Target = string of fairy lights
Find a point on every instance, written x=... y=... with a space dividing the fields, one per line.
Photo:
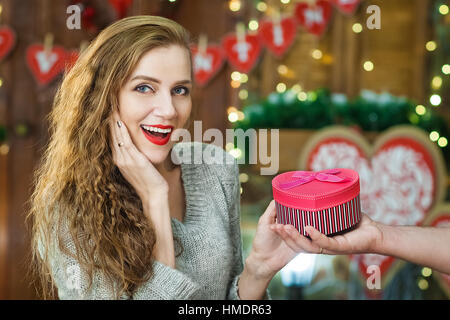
x=441 y=67
x=238 y=79
x=435 y=46
x=440 y=74
x=438 y=80
x=442 y=70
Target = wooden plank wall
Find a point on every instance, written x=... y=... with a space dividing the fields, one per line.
x=397 y=51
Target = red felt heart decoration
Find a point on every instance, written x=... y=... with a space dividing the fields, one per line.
x=7 y=41
x=314 y=17
x=401 y=177
x=242 y=56
x=207 y=65
x=45 y=67
x=278 y=37
x=121 y=7
x=346 y=6
x=71 y=59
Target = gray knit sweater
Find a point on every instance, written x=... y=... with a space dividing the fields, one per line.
x=211 y=260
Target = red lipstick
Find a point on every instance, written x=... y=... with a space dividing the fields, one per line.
x=157 y=138
x=159 y=126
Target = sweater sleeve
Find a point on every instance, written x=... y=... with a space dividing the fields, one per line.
x=235 y=235
x=167 y=284
x=72 y=281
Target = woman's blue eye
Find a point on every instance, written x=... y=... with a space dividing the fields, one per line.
x=142 y=88
x=185 y=93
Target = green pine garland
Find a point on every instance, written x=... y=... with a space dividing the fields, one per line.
x=369 y=112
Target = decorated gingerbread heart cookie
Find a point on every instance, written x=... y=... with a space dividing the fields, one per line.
x=402 y=177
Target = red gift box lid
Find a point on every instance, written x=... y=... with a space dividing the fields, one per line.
x=315 y=190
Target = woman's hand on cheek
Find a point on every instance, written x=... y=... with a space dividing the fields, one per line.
x=134 y=166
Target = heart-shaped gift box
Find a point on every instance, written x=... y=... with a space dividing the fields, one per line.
x=328 y=200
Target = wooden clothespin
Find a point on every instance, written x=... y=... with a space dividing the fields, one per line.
x=276 y=16
x=83 y=45
x=202 y=44
x=48 y=43
x=312 y=3
x=240 y=32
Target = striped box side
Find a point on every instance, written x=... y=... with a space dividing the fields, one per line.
x=327 y=221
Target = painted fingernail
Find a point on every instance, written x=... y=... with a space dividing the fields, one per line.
x=119 y=123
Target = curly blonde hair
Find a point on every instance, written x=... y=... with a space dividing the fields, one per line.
x=77 y=182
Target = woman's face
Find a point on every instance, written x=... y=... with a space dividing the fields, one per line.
x=157 y=97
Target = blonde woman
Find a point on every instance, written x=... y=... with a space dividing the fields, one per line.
x=113 y=215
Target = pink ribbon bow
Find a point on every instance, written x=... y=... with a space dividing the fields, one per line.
x=307 y=176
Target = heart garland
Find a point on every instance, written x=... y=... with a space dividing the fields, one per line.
x=278 y=37
x=45 y=66
x=7 y=41
x=242 y=55
x=402 y=178
x=314 y=17
x=346 y=6
x=208 y=64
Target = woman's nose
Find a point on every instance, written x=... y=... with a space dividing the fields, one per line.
x=165 y=107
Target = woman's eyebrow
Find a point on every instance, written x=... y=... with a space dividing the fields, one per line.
x=143 y=77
